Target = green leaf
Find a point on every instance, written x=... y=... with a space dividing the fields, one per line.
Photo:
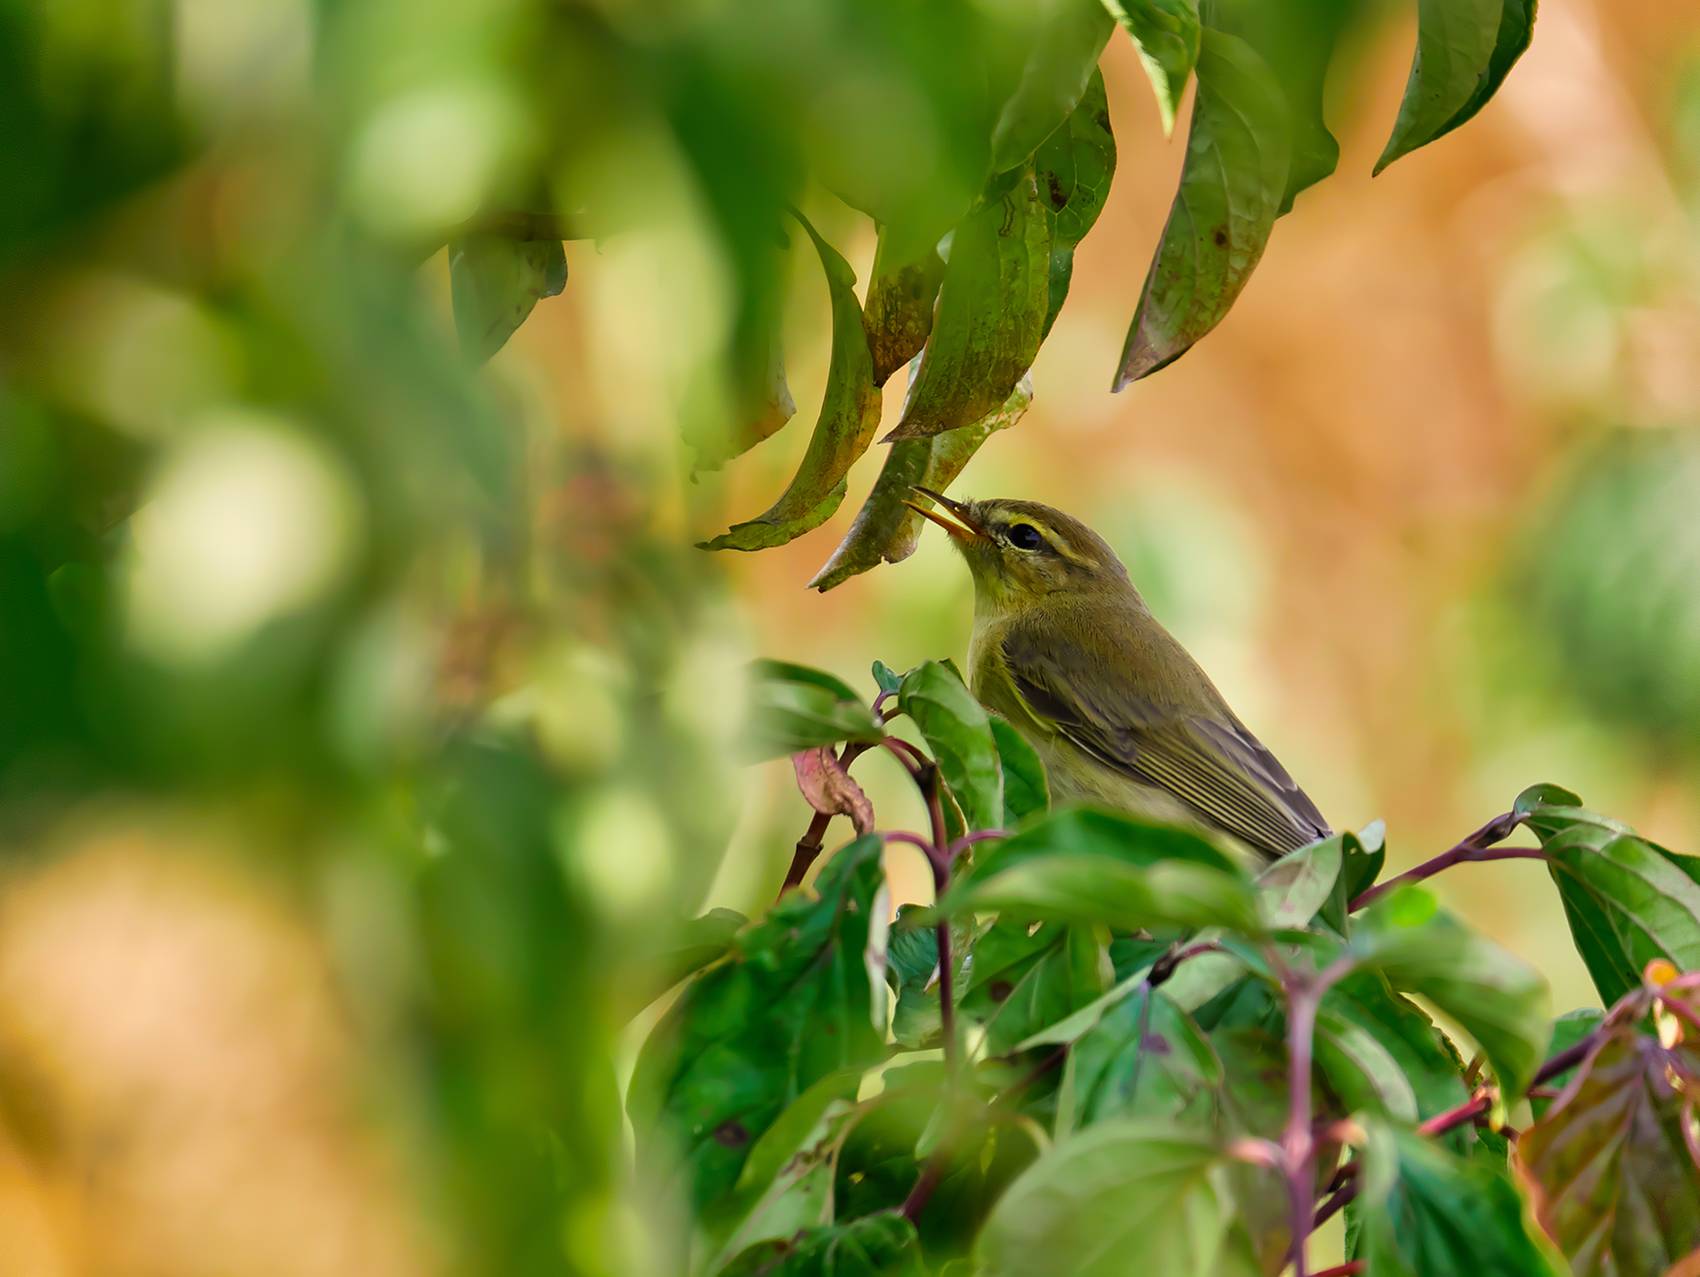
x=849 y=415
x=1361 y=1071
x=1535 y=797
x=959 y=736
x=1628 y=901
x=1362 y=858
x=991 y=311
x=1456 y=41
x=1025 y=789
x=1498 y=998
x=1295 y=887
x=1088 y=831
x=1026 y=976
x=747 y=1037
x=912 y=956
x=798 y=708
x=699 y=942
x=1516 y=32
x=718 y=438
x=1425 y=1212
x=883 y=1245
x=1053 y=81
x=1607 y=1169
x=1423 y=1054
x=1097 y=889
x=1129 y=1196
x=1167 y=34
x=887 y=529
x=1567 y=1030
x=1232 y=186
x=1144 y=1058
x=494 y=281
x=899 y=313
x=1074 y=168
x=887 y=679
x=1296 y=38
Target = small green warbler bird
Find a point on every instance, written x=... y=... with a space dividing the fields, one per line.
x=1065 y=649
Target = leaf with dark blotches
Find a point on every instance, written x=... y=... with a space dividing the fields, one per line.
x=899 y=311
x=495 y=281
x=1074 y=168
x=886 y=530
x=745 y=1037
x=829 y=788
x=991 y=311
x=1232 y=185
x=1607 y=1169
x=1062 y=60
x=849 y=415
x=1456 y=42
x=1168 y=36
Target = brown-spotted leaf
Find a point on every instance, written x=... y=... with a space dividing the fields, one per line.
x=899 y=313
x=1074 y=168
x=1607 y=1170
x=886 y=530
x=830 y=789
x=849 y=415
x=1232 y=186
x=1456 y=43
x=991 y=311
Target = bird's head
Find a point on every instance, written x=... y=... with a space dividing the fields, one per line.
x=1021 y=551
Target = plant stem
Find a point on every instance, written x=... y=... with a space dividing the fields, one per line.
x=939 y=857
x=808 y=847
x=1343 y=1270
x=925 y=1183
x=1468 y=1111
x=1298 y=1146
x=1472 y=849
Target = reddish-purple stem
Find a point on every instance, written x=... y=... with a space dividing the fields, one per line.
x=1298 y=1147
x=1474 y=848
x=963 y=843
x=1351 y=1269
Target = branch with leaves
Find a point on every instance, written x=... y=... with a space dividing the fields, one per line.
x=1107 y=1036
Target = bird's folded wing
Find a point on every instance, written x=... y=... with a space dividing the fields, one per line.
x=1217 y=768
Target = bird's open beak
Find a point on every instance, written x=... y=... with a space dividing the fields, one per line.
x=963 y=529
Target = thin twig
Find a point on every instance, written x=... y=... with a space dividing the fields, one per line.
x=1015 y=1088
x=968 y=840
x=1472 y=849
x=1351 y=1269
x=808 y=847
x=1468 y=1111
x=1304 y=999
x=925 y=1183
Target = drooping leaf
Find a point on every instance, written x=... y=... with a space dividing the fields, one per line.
x=1167 y=34
x=1425 y=1212
x=798 y=708
x=495 y=281
x=830 y=789
x=1099 y=890
x=899 y=312
x=883 y=1245
x=760 y=416
x=1498 y=998
x=1053 y=81
x=850 y=413
x=991 y=311
x=1296 y=38
x=1025 y=789
x=1456 y=40
x=1089 y=831
x=1232 y=187
x=1074 y=167
x=1607 y=1169
x=1628 y=901
x=1516 y=32
x=1026 y=976
x=959 y=736
x=1128 y=1196
x=1295 y=887
x=887 y=530
x=749 y=1036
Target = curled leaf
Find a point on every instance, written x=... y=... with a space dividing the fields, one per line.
x=1232 y=186
x=886 y=530
x=899 y=313
x=1073 y=169
x=830 y=789
x=495 y=281
x=1052 y=81
x=849 y=415
x=1168 y=36
x=762 y=417
x=991 y=311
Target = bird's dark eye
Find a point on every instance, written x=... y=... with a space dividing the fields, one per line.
x=1024 y=536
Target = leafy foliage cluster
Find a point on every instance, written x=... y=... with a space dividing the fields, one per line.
x=976 y=249
x=1110 y=1048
